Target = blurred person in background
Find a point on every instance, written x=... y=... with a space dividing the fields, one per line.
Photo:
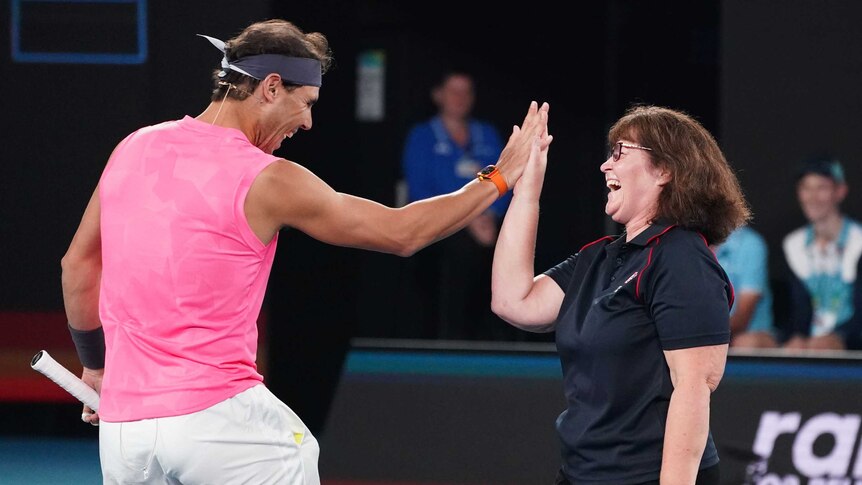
x=744 y=256
x=823 y=262
x=439 y=155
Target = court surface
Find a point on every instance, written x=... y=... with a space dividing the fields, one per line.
x=49 y=461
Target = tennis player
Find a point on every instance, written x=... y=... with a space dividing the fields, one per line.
x=164 y=279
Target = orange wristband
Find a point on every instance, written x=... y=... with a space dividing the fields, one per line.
x=492 y=173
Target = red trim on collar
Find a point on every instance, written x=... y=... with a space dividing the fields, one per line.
x=595 y=242
x=732 y=291
x=668 y=228
x=649 y=259
x=641 y=273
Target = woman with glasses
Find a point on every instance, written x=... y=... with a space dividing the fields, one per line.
x=641 y=318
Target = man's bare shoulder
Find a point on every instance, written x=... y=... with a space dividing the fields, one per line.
x=284 y=173
x=285 y=187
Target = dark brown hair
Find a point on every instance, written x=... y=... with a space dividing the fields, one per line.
x=274 y=36
x=703 y=194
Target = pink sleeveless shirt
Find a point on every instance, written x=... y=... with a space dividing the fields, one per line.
x=183 y=275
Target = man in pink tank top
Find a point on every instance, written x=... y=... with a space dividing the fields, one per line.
x=164 y=279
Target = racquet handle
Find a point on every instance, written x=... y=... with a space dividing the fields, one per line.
x=44 y=363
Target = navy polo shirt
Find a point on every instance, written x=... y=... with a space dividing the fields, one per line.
x=625 y=303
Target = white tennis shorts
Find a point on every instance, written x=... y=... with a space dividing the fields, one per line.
x=251 y=438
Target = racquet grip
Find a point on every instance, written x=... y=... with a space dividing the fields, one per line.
x=44 y=363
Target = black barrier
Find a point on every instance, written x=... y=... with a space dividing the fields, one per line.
x=790 y=420
x=413 y=412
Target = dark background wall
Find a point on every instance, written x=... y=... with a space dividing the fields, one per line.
x=772 y=80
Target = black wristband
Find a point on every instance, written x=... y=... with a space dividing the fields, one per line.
x=90 y=345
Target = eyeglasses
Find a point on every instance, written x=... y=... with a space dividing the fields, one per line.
x=617 y=149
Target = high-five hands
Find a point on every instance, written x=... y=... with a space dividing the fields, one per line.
x=516 y=153
x=531 y=181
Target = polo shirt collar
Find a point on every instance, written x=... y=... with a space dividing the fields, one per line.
x=650 y=232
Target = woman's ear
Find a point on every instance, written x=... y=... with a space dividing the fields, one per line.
x=664 y=177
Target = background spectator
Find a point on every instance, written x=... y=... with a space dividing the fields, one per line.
x=744 y=256
x=822 y=260
x=440 y=155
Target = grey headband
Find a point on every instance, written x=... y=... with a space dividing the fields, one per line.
x=294 y=70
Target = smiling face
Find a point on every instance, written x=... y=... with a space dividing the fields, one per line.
x=287 y=112
x=634 y=185
x=820 y=197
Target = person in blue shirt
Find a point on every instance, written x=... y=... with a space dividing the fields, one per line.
x=440 y=155
x=744 y=256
